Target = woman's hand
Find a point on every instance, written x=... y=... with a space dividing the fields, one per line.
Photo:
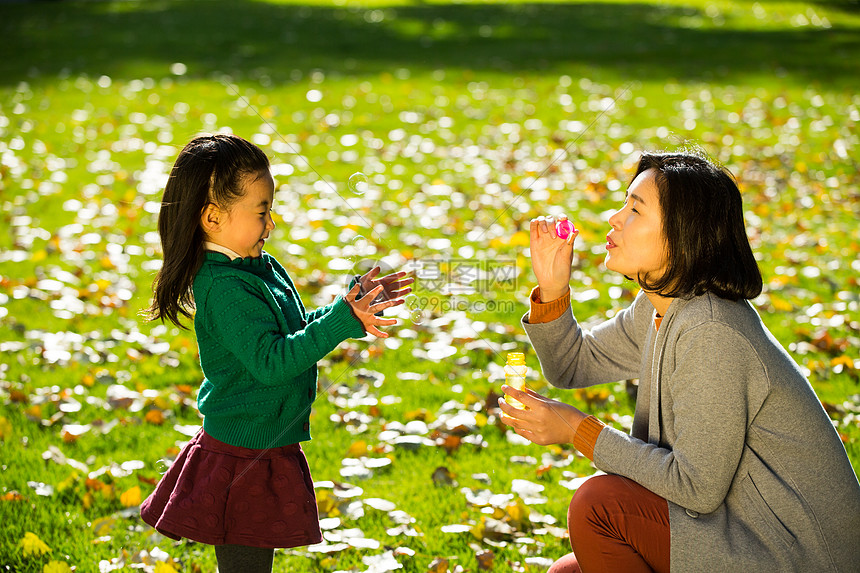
x=365 y=310
x=551 y=257
x=393 y=285
x=545 y=421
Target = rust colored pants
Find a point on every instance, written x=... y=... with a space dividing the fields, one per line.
x=616 y=525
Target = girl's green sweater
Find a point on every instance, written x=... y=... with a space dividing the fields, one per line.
x=259 y=350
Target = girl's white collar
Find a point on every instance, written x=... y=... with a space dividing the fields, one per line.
x=210 y=246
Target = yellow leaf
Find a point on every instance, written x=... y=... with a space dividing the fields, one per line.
x=518 y=513
x=5 y=428
x=103 y=525
x=327 y=504
x=780 y=304
x=131 y=497
x=31 y=545
x=155 y=417
x=419 y=414
x=846 y=361
x=162 y=567
x=357 y=449
x=56 y=567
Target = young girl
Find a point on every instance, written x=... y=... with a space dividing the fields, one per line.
x=242 y=483
x=732 y=463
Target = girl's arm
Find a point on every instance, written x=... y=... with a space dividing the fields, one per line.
x=244 y=323
x=320 y=311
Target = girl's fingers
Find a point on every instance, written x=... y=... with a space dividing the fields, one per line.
x=353 y=292
x=376 y=332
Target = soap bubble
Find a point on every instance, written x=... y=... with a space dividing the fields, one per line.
x=411 y=301
x=360 y=246
x=161 y=466
x=358 y=183
x=413 y=304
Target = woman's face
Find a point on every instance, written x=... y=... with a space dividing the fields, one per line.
x=636 y=244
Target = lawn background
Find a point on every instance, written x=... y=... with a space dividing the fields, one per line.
x=469 y=119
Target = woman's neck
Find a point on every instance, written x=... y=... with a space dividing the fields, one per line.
x=660 y=303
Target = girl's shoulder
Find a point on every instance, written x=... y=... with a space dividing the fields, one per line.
x=219 y=273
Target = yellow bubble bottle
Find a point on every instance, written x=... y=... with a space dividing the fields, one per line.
x=515 y=376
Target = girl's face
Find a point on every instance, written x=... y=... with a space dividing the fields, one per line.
x=246 y=225
x=636 y=244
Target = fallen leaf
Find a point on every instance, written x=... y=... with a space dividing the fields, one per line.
x=155 y=417
x=438 y=565
x=5 y=428
x=32 y=546
x=131 y=497
x=485 y=559
x=56 y=567
x=358 y=448
x=442 y=476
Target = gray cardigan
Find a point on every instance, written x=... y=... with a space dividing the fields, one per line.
x=726 y=428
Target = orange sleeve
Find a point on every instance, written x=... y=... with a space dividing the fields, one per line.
x=540 y=311
x=586 y=436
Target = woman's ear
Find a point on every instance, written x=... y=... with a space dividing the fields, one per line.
x=210 y=218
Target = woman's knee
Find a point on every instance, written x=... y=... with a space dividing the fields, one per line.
x=589 y=503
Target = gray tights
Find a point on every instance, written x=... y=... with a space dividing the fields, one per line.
x=244 y=559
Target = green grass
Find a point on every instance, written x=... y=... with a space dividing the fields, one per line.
x=451 y=110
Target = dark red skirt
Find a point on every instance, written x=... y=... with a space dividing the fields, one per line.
x=220 y=494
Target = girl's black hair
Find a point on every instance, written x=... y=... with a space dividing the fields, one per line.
x=706 y=242
x=210 y=169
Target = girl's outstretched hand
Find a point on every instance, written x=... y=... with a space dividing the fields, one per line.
x=545 y=421
x=551 y=257
x=393 y=285
x=365 y=310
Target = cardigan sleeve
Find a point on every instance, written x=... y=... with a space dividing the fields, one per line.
x=245 y=324
x=540 y=312
x=320 y=311
x=715 y=369
x=572 y=357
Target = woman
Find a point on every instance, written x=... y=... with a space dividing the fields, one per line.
x=732 y=463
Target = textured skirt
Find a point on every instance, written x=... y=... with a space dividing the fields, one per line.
x=218 y=494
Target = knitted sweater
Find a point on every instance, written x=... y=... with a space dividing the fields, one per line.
x=258 y=350
x=726 y=429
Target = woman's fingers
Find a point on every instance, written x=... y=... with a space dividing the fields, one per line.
x=529 y=398
x=373 y=293
x=379 y=307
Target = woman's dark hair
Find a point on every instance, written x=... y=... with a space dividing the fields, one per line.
x=707 y=248
x=210 y=169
